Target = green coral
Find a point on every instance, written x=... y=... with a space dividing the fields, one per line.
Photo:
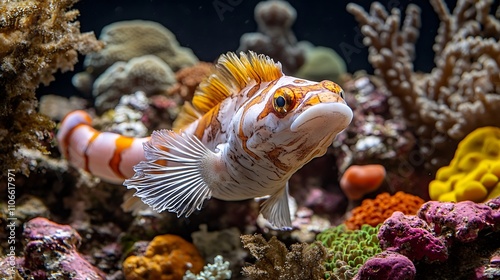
x=37 y=38
x=348 y=249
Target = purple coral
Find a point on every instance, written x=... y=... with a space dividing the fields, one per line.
x=438 y=229
x=462 y=220
x=52 y=249
x=387 y=265
x=411 y=237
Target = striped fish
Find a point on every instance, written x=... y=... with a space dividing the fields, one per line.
x=248 y=130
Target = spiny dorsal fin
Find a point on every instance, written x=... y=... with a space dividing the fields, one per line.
x=230 y=75
x=187 y=115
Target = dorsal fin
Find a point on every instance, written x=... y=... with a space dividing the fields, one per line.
x=187 y=115
x=230 y=75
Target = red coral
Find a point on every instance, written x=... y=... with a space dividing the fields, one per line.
x=359 y=180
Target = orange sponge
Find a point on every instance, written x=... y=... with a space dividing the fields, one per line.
x=375 y=211
x=167 y=258
x=359 y=180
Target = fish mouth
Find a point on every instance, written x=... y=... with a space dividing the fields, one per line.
x=330 y=116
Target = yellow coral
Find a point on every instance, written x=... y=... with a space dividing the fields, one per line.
x=167 y=258
x=474 y=172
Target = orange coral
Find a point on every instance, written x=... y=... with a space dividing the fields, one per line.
x=167 y=258
x=375 y=211
x=359 y=180
x=189 y=78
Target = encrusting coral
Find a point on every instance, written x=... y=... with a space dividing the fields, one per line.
x=51 y=253
x=167 y=257
x=375 y=211
x=275 y=261
x=275 y=37
x=359 y=180
x=445 y=240
x=461 y=93
x=348 y=249
x=147 y=73
x=128 y=39
x=37 y=38
x=474 y=172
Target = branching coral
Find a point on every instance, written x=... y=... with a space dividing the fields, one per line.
x=348 y=249
x=274 y=261
x=375 y=211
x=37 y=38
x=461 y=93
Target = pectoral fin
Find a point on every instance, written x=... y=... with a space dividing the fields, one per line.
x=171 y=177
x=277 y=211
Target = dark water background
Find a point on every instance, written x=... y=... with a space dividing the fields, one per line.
x=210 y=32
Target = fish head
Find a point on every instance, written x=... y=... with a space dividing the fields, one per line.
x=293 y=120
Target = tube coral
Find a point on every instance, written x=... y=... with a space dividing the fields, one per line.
x=37 y=38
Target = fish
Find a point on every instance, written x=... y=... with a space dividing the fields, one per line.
x=107 y=155
x=248 y=129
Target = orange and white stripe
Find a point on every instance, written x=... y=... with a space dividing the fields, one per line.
x=107 y=155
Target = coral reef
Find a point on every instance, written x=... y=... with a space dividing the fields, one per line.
x=445 y=240
x=225 y=243
x=348 y=249
x=57 y=107
x=126 y=40
x=37 y=38
x=51 y=253
x=460 y=94
x=474 y=171
x=359 y=180
x=387 y=265
x=377 y=136
x=322 y=63
x=167 y=257
x=375 y=211
x=147 y=73
x=188 y=79
x=219 y=270
x=275 y=261
x=275 y=37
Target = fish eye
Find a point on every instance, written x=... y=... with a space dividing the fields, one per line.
x=280 y=101
x=283 y=100
x=342 y=94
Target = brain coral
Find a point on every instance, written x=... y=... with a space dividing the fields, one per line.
x=375 y=211
x=349 y=249
x=167 y=257
x=474 y=171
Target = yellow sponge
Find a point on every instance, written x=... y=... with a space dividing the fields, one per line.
x=474 y=172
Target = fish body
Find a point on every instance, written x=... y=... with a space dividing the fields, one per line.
x=248 y=130
x=253 y=129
